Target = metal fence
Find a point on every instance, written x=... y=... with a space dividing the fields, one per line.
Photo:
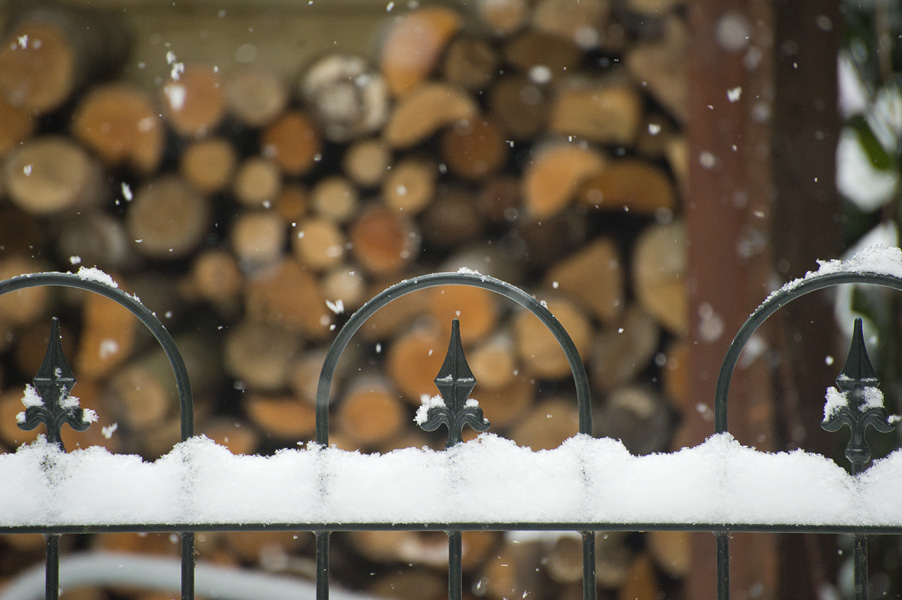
x=455 y=381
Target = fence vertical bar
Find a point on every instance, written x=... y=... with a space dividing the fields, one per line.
x=723 y=565
x=52 y=567
x=322 y=564
x=590 y=588
x=455 y=565
x=188 y=562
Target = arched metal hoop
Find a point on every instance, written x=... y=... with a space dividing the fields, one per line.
x=507 y=290
x=186 y=405
x=774 y=303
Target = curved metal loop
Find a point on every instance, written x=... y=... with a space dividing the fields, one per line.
x=773 y=303
x=134 y=306
x=530 y=303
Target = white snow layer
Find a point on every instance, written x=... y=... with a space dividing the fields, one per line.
x=488 y=479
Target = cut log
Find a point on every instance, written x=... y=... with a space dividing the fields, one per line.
x=476 y=309
x=367 y=162
x=505 y=405
x=318 y=243
x=168 y=218
x=637 y=416
x=655 y=135
x=425 y=110
x=474 y=148
x=659 y=276
x=347 y=284
x=395 y=315
x=671 y=551
x=348 y=97
x=542 y=56
x=216 y=276
x=282 y=418
x=259 y=354
x=494 y=361
x=661 y=66
x=258 y=238
x=16 y=126
x=120 y=123
x=576 y=20
x=335 y=198
x=451 y=219
x=107 y=337
x=675 y=375
x=384 y=242
x=414 y=359
x=519 y=105
x=292 y=203
x=554 y=176
x=293 y=142
x=51 y=174
x=194 y=101
x=594 y=276
x=470 y=63
x=499 y=199
x=630 y=185
x=549 y=241
x=412 y=44
x=10 y=406
x=641 y=582
x=409 y=584
x=624 y=349
x=565 y=558
x=287 y=294
x=511 y=571
x=538 y=349
x=140 y=395
x=208 y=164
x=410 y=185
x=370 y=411
x=503 y=17
x=548 y=424
x=606 y=112
x=612 y=559
x=97 y=239
x=49 y=52
x=254 y=546
x=254 y=95
x=257 y=182
x=24 y=306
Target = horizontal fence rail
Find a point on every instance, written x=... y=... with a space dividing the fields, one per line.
x=854 y=394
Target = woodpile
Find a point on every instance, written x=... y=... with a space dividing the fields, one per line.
x=538 y=141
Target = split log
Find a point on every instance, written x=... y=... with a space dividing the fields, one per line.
x=564 y=561
x=425 y=110
x=671 y=551
x=624 y=349
x=370 y=411
x=630 y=185
x=499 y=199
x=505 y=405
x=661 y=66
x=107 y=338
x=367 y=162
x=395 y=315
x=254 y=95
x=348 y=97
x=475 y=307
x=612 y=558
x=413 y=360
x=503 y=17
x=168 y=218
x=25 y=306
x=494 y=361
x=283 y=418
x=258 y=354
x=470 y=63
x=536 y=346
x=97 y=239
x=293 y=142
x=253 y=546
x=542 y=56
x=638 y=417
x=554 y=176
x=512 y=572
x=140 y=394
x=257 y=182
x=451 y=219
x=641 y=582
x=335 y=198
x=410 y=185
x=412 y=45
x=474 y=148
x=194 y=101
x=410 y=585
x=120 y=123
x=576 y=20
x=10 y=406
x=287 y=294
x=215 y=276
x=675 y=375
x=594 y=276
x=346 y=284
x=258 y=238
x=292 y=203
x=318 y=243
x=519 y=105
x=16 y=126
x=659 y=275
x=551 y=240
x=548 y=424
x=51 y=174
x=384 y=242
x=49 y=52
x=208 y=164
x=606 y=112
x=655 y=135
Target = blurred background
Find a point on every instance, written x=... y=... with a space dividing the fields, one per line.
x=255 y=171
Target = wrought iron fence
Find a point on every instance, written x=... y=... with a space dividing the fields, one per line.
x=454 y=382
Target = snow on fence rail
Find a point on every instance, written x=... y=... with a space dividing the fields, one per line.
x=586 y=485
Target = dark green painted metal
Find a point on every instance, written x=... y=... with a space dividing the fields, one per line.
x=52 y=570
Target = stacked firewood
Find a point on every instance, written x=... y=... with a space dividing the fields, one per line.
x=535 y=141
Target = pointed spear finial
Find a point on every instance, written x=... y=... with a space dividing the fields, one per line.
x=52 y=383
x=454 y=381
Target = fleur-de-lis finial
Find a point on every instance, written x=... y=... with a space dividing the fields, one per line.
x=859 y=402
x=455 y=381
x=53 y=382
